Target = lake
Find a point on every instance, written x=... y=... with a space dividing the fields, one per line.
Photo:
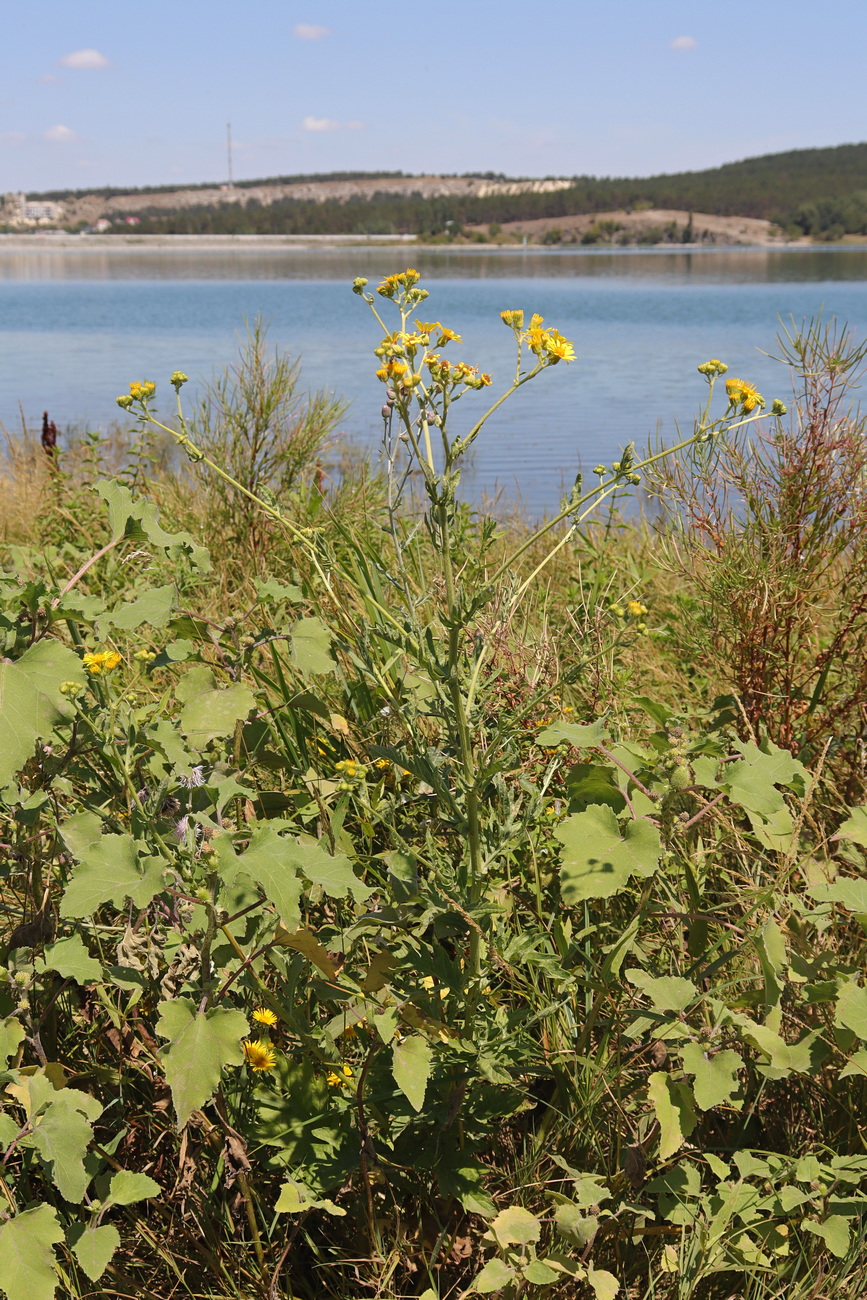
x=78 y=325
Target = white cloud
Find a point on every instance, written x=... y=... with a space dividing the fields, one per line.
x=60 y=134
x=84 y=59
x=310 y=32
x=683 y=43
x=328 y=124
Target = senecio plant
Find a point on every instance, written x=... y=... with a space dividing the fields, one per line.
x=323 y=925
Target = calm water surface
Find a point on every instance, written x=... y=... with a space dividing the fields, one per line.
x=77 y=326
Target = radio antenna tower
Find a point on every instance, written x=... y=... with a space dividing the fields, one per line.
x=229 y=152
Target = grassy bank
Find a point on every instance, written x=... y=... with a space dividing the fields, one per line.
x=403 y=902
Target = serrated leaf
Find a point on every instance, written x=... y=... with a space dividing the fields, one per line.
x=605 y=1285
x=11 y=1035
x=94 y=1247
x=538 y=1272
x=26 y=1254
x=494 y=1276
x=128 y=1187
x=411 y=1063
x=311 y=646
x=109 y=869
x=598 y=860
x=200 y=1047
x=30 y=701
x=851 y=1009
x=856 y=1065
x=834 y=1232
x=854 y=827
x=673 y=1105
x=788 y=1058
x=849 y=893
x=269 y=863
x=153 y=608
x=716 y=1076
x=71 y=960
x=305 y=942
x=210 y=712
x=331 y=872
x=62 y=1135
x=138 y=519
x=752 y=782
x=516 y=1226
x=668 y=993
x=573 y=733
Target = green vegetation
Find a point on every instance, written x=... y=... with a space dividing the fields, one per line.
x=812 y=191
x=400 y=904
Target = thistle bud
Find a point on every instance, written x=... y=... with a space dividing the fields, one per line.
x=386 y=411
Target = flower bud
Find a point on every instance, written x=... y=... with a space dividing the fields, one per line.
x=386 y=411
x=124 y=401
x=358 y=284
x=600 y=470
x=177 y=379
x=778 y=407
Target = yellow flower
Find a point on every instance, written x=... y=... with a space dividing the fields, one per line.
x=744 y=395
x=514 y=319
x=391 y=371
x=258 y=1054
x=265 y=1016
x=100 y=662
x=536 y=321
x=558 y=348
x=636 y=608
x=428 y=327
x=141 y=391
x=447 y=336
x=712 y=367
x=335 y=1080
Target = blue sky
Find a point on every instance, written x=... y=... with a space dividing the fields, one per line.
x=96 y=92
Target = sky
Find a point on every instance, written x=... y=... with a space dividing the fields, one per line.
x=105 y=92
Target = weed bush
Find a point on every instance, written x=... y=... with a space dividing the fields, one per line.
x=359 y=940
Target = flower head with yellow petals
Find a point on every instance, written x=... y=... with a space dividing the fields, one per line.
x=259 y=1055
x=265 y=1016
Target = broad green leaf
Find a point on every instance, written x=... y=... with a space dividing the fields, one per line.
x=834 y=1232
x=854 y=827
x=674 y=1108
x=311 y=646
x=538 y=1272
x=752 y=782
x=411 y=1063
x=128 y=1187
x=516 y=1226
x=210 y=711
x=62 y=1135
x=11 y=1035
x=788 y=1058
x=668 y=993
x=305 y=942
x=70 y=958
x=270 y=863
x=850 y=893
x=138 y=519
x=94 y=1247
x=857 y=1065
x=272 y=591
x=589 y=783
x=153 y=608
x=573 y=733
x=597 y=860
x=575 y=1226
x=494 y=1276
x=333 y=873
x=605 y=1285
x=30 y=701
x=200 y=1047
x=109 y=869
x=295 y=1199
x=716 y=1076
x=26 y=1255
x=851 y=1011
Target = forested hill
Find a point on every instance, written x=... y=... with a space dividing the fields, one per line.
x=822 y=192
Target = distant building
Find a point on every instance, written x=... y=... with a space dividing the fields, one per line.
x=21 y=211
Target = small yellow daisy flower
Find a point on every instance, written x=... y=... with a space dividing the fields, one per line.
x=636 y=608
x=100 y=662
x=744 y=395
x=265 y=1016
x=259 y=1055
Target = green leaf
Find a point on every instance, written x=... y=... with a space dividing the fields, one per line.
x=516 y=1226
x=210 y=712
x=834 y=1232
x=200 y=1047
x=109 y=871
x=333 y=873
x=573 y=733
x=605 y=1285
x=673 y=1104
x=575 y=1226
x=854 y=827
x=851 y=1010
x=30 y=701
x=70 y=958
x=589 y=783
x=850 y=893
x=856 y=1065
x=273 y=592
x=94 y=1247
x=411 y=1063
x=494 y=1276
x=139 y=521
x=752 y=782
x=538 y=1272
x=295 y=1199
x=128 y=1187
x=598 y=860
x=62 y=1135
x=311 y=646
x=716 y=1076
x=787 y=1058
x=269 y=863
x=669 y=993
x=11 y=1035
x=154 y=608
x=26 y=1255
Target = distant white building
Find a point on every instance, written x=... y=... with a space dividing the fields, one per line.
x=21 y=211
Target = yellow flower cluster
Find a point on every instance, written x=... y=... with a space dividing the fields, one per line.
x=350 y=770
x=744 y=395
x=70 y=688
x=265 y=1016
x=394 y=372
x=393 y=285
x=636 y=608
x=258 y=1054
x=549 y=345
x=140 y=392
x=446 y=373
x=103 y=662
x=514 y=319
x=712 y=367
x=341 y=1080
